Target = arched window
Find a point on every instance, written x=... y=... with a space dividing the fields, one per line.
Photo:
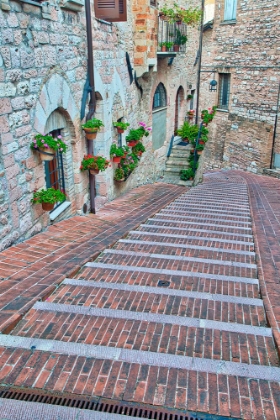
x=159 y=97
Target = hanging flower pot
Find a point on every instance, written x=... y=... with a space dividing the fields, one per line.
x=91 y=133
x=117 y=159
x=201 y=142
x=120 y=130
x=47 y=206
x=46 y=154
x=94 y=171
x=132 y=143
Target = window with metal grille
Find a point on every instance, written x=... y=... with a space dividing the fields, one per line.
x=230 y=9
x=54 y=172
x=224 y=90
x=159 y=97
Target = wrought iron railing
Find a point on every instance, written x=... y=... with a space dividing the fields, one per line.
x=173 y=34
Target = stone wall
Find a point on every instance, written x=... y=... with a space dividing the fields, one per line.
x=248 y=49
x=43 y=70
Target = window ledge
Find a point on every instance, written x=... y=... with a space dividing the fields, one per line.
x=34 y=3
x=55 y=213
x=228 y=22
x=159 y=109
x=222 y=110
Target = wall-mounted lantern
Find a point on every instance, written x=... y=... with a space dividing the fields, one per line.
x=213 y=86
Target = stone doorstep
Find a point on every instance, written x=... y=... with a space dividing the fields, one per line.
x=217 y=232
x=165 y=291
x=173 y=272
x=153 y=317
x=200 y=223
x=198 y=247
x=268 y=373
x=178 y=258
x=197 y=238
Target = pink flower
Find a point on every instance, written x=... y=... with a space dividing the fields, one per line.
x=59 y=137
x=35 y=145
x=142 y=124
x=61 y=150
x=46 y=145
x=149 y=128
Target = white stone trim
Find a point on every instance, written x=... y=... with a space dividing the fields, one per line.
x=63 y=206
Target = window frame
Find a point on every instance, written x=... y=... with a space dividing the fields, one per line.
x=228 y=5
x=161 y=92
x=224 y=91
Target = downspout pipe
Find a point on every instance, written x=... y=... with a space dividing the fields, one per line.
x=275 y=128
x=199 y=61
x=92 y=99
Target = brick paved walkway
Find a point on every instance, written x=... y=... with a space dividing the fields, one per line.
x=172 y=315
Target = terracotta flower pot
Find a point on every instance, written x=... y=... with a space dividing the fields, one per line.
x=132 y=143
x=94 y=171
x=120 y=130
x=190 y=116
x=176 y=48
x=47 y=206
x=91 y=133
x=201 y=142
x=199 y=152
x=46 y=153
x=139 y=153
x=117 y=159
x=163 y=48
x=119 y=180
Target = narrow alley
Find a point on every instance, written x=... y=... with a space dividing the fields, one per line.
x=175 y=318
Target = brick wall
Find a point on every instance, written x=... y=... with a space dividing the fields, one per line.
x=248 y=49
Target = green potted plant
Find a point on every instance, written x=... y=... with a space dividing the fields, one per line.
x=186 y=174
x=138 y=149
x=48 y=198
x=178 y=14
x=116 y=153
x=179 y=40
x=144 y=129
x=189 y=97
x=199 y=149
x=121 y=126
x=94 y=164
x=165 y=46
x=91 y=127
x=133 y=137
x=187 y=131
x=119 y=175
x=47 y=146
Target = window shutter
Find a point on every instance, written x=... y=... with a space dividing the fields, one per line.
x=110 y=10
x=230 y=9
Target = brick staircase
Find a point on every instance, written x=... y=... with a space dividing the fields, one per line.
x=171 y=316
x=177 y=161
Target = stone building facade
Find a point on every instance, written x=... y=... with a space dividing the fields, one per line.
x=241 y=51
x=43 y=70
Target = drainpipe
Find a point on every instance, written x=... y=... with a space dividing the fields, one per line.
x=275 y=128
x=92 y=100
x=199 y=61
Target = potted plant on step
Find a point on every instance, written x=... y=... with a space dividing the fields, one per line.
x=121 y=126
x=48 y=198
x=191 y=113
x=199 y=149
x=91 y=127
x=116 y=153
x=94 y=164
x=47 y=146
x=186 y=174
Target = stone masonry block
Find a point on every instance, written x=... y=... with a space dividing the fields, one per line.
x=7 y=89
x=4 y=124
x=5 y=106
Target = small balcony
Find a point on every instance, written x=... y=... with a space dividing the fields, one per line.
x=172 y=38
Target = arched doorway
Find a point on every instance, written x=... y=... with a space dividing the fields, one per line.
x=178 y=109
x=159 y=116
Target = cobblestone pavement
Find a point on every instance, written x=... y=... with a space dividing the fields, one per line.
x=179 y=313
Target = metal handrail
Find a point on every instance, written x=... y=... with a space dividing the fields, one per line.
x=196 y=144
x=170 y=146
